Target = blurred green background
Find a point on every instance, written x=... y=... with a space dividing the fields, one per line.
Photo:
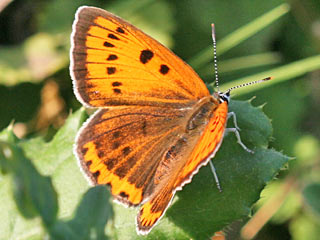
x=36 y=89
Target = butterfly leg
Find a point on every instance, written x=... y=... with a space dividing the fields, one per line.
x=232 y=114
x=213 y=170
x=236 y=130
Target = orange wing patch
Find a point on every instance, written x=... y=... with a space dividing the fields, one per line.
x=113 y=63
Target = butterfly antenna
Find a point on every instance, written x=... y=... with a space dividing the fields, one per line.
x=250 y=83
x=215 y=56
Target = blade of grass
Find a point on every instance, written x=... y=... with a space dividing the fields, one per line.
x=239 y=35
x=246 y=62
x=279 y=74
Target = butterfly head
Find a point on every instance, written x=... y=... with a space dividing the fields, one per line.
x=224 y=96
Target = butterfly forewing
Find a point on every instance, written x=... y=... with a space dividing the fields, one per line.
x=113 y=63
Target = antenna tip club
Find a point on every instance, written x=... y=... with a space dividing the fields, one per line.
x=213 y=32
x=212 y=27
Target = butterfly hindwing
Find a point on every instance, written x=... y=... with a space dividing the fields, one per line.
x=123 y=147
x=113 y=64
x=206 y=147
x=152 y=211
x=201 y=151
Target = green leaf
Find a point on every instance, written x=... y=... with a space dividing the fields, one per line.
x=255 y=127
x=33 y=193
x=38 y=195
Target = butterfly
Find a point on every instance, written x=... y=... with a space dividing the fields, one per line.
x=156 y=122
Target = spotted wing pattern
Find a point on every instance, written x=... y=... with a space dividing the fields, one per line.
x=114 y=64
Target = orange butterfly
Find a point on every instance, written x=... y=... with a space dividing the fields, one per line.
x=157 y=123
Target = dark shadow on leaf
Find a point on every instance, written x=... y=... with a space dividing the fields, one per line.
x=90 y=218
x=33 y=193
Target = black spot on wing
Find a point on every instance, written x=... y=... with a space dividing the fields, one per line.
x=122 y=171
x=107 y=44
x=112 y=57
x=111 y=70
x=110 y=163
x=126 y=151
x=116 y=84
x=123 y=195
x=116 y=90
x=146 y=56
x=120 y=30
x=116 y=134
x=84 y=150
x=96 y=174
x=101 y=153
x=112 y=36
x=164 y=69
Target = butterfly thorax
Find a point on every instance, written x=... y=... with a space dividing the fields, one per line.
x=202 y=112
